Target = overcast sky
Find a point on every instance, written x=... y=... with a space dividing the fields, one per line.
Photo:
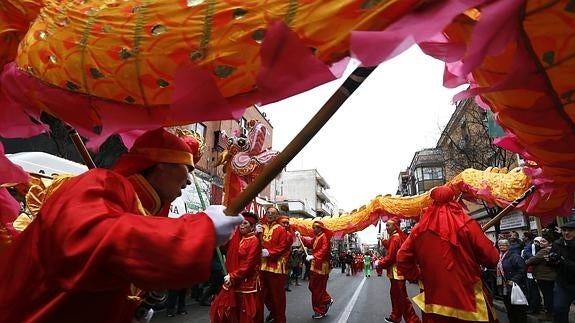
x=400 y=109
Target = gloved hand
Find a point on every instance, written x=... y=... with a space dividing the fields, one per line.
x=265 y=252
x=259 y=228
x=297 y=234
x=309 y=257
x=223 y=225
x=227 y=279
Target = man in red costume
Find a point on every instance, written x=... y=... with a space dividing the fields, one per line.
x=243 y=261
x=95 y=241
x=401 y=306
x=320 y=268
x=445 y=251
x=277 y=243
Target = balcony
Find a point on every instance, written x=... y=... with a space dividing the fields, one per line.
x=321 y=194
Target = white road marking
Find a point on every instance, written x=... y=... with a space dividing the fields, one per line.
x=347 y=312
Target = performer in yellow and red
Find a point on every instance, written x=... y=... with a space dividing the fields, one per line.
x=94 y=240
x=445 y=251
x=243 y=261
x=401 y=306
x=320 y=268
x=277 y=243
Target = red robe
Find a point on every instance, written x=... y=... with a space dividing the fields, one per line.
x=445 y=251
x=245 y=280
x=277 y=240
x=401 y=306
x=319 y=272
x=78 y=260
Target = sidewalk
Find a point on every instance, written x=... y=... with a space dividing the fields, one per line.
x=532 y=318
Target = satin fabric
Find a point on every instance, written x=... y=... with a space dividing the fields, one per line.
x=277 y=240
x=448 y=265
x=90 y=243
x=401 y=306
x=319 y=272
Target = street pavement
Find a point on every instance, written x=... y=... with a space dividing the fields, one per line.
x=357 y=299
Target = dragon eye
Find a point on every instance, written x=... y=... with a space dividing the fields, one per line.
x=241 y=142
x=230 y=141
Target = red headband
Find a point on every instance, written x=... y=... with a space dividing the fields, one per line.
x=251 y=220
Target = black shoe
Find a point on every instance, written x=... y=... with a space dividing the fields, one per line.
x=317 y=316
x=182 y=312
x=288 y=290
x=269 y=318
x=204 y=303
x=171 y=314
x=389 y=320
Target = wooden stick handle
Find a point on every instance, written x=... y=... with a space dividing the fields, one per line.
x=301 y=139
x=302 y=245
x=82 y=150
x=508 y=208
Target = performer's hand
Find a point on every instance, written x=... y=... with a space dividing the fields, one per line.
x=259 y=228
x=227 y=279
x=297 y=234
x=265 y=252
x=309 y=257
x=223 y=225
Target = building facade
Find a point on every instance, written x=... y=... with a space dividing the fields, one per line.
x=306 y=186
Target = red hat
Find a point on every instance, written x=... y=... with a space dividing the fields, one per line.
x=396 y=224
x=442 y=194
x=251 y=217
x=155 y=147
x=328 y=232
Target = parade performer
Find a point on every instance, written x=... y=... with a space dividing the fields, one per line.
x=320 y=268
x=243 y=261
x=94 y=240
x=367 y=264
x=401 y=306
x=277 y=243
x=445 y=251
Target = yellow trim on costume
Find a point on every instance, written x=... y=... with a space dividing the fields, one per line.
x=163 y=155
x=480 y=315
x=393 y=273
x=150 y=194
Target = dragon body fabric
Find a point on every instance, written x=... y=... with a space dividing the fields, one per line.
x=494 y=186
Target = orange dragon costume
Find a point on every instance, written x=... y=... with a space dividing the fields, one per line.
x=445 y=251
x=401 y=306
x=319 y=269
x=94 y=240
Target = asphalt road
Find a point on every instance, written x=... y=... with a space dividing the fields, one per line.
x=357 y=299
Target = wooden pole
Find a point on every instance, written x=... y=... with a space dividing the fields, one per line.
x=300 y=140
x=509 y=208
x=302 y=245
x=79 y=144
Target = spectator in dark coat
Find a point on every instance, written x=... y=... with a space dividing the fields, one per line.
x=511 y=269
x=562 y=256
x=545 y=275
x=515 y=244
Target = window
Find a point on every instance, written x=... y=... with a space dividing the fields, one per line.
x=199 y=128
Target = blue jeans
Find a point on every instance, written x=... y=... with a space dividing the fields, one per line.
x=562 y=299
